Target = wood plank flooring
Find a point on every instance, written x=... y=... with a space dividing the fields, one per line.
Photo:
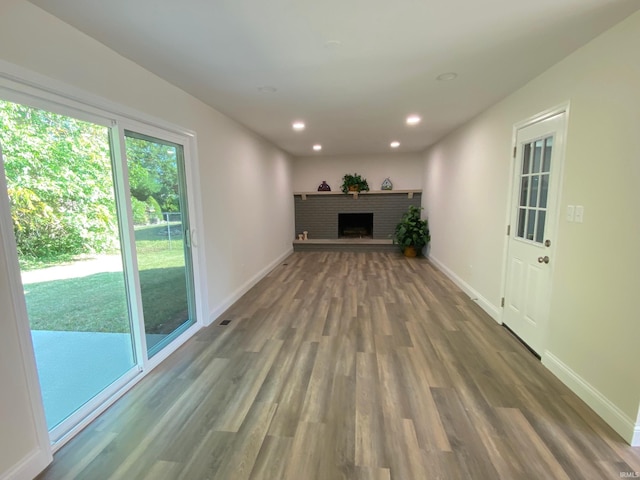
x=342 y=365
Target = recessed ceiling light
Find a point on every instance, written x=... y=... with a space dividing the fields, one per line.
x=298 y=126
x=395 y=144
x=267 y=89
x=317 y=147
x=413 y=119
x=446 y=77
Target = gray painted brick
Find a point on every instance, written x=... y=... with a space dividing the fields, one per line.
x=318 y=214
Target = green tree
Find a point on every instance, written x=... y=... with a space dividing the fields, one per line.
x=58 y=173
x=141 y=183
x=146 y=212
x=153 y=172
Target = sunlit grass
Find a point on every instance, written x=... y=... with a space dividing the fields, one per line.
x=97 y=303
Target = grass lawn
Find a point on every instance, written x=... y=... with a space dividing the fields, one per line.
x=97 y=303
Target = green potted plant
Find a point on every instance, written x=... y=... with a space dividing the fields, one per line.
x=412 y=233
x=354 y=183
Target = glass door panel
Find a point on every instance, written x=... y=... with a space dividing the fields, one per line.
x=161 y=224
x=61 y=189
x=534 y=186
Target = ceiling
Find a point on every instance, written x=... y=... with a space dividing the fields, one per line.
x=352 y=70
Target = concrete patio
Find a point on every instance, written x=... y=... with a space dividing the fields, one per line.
x=75 y=366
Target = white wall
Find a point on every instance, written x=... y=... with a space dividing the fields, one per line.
x=404 y=170
x=245 y=182
x=594 y=319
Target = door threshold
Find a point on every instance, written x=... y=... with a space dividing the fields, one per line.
x=524 y=344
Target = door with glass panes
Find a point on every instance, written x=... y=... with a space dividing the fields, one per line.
x=532 y=229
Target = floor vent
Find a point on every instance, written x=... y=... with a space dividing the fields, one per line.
x=225 y=322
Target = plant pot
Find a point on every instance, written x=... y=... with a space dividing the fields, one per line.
x=353 y=188
x=410 y=251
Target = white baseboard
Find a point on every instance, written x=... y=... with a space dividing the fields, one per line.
x=239 y=292
x=609 y=412
x=29 y=467
x=492 y=310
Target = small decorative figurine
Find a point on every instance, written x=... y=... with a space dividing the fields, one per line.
x=386 y=184
x=324 y=187
x=305 y=235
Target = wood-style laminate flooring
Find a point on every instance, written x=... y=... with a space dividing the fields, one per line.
x=342 y=365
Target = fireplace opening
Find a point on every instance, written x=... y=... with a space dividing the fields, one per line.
x=355 y=225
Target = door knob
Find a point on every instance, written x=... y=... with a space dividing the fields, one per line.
x=544 y=259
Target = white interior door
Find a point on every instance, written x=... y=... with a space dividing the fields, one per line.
x=531 y=244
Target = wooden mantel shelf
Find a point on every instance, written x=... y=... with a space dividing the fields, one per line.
x=409 y=193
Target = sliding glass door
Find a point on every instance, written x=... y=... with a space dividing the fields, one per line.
x=101 y=224
x=61 y=187
x=162 y=237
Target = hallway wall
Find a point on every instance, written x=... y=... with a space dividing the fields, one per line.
x=404 y=170
x=594 y=328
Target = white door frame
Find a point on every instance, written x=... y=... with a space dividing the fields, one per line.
x=42 y=455
x=544 y=115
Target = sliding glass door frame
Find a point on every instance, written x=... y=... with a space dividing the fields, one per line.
x=21 y=89
x=59 y=434
x=128 y=235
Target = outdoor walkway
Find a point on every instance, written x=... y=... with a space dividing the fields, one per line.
x=77 y=269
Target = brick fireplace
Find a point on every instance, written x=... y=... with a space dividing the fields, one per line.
x=373 y=215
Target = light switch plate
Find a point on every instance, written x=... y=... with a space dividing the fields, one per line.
x=570 y=213
x=579 y=216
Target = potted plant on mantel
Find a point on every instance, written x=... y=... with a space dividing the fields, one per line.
x=354 y=183
x=412 y=233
